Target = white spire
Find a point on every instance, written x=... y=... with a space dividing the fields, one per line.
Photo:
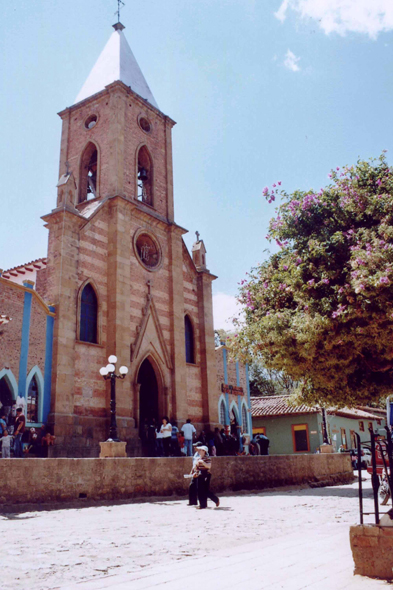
x=116 y=62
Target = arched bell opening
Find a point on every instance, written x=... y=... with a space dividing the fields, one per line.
x=88 y=176
x=145 y=176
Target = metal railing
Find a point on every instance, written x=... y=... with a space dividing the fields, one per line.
x=382 y=469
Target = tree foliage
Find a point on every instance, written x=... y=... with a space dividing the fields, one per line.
x=268 y=381
x=321 y=308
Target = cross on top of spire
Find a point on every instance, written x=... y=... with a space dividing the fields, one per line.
x=120 y=5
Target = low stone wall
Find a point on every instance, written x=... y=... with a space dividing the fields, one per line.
x=372 y=550
x=49 y=480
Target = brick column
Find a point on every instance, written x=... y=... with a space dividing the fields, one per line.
x=169 y=169
x=206 y=339
x=113 y=169
x=62 y=268
x=119 y=290
x=179 y=378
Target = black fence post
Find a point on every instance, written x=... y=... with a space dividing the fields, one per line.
x=389 y=472
x=374 y=477
x=360 y=476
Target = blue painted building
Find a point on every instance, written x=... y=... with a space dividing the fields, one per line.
x=26 y=344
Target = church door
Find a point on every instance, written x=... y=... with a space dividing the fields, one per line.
x=148 y=396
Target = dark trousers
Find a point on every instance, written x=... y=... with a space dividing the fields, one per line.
x=204 y=489
x=167 y=445
x=193 y=492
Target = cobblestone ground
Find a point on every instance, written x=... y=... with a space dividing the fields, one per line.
x=58 y=548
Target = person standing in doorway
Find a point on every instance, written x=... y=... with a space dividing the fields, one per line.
x=166 y=431
x=20 y=425
x=151 y=438
x=159 y=443
x=189 y=433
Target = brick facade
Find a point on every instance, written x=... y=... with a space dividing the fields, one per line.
x=141 y=310
x=95 y=238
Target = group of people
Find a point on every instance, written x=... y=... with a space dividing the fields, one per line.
x=167 y=440
x=14 y=436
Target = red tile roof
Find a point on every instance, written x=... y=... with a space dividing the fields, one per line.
x=354 y=413
x=22 y=268
x=277 y=405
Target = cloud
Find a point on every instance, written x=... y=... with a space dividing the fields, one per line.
x=291 y=61
x=224 y=308
x=368 y=17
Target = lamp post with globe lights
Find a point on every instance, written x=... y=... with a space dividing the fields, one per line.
x=109 y=372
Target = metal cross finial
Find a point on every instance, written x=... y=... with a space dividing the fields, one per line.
x=197 y=235
x=120 y=4
x=149 y=285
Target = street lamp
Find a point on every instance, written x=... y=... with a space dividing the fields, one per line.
x=108 y=372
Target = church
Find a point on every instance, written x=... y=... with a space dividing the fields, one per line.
x=118 y=280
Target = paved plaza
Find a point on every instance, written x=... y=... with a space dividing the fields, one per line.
x=291 y=539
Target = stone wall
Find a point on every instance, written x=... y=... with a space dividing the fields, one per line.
x=51 y=480
x=372 y=550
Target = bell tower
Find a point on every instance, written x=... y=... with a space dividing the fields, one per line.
x=120 y=275
x=115 y=140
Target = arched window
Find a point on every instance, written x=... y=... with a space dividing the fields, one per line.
x=222 y=412
x=89 y=315
x=145 y=176
x=189 y=335
x=32 y=401
x=88 y=174
x=244 y=418
x=6 y=397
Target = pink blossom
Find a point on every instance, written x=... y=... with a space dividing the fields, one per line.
x=298 y=261
x=311 y=282
x=274 y=185
x=282 y=286
x=379 y=182
x=265 y=190
x=279 y=183
x=285 y=267
x=384 y=280
x=265 y=284
x=361 y=287
x=326 y=281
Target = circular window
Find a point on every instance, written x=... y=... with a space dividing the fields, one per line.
x=148 y=250
x=91 y=121
x=144 y=125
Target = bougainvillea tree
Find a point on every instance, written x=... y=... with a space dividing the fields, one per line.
x=321 y=308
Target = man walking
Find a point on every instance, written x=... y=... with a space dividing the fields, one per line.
x=189 y=433
x=20 y=424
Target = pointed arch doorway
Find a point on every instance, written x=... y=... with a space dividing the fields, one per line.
x=148 y=396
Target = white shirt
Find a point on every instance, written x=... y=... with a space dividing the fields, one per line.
x=159 y=434
x=188 y=430
x=168 y=430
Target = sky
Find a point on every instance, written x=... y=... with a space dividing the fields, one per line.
x=261 y=90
